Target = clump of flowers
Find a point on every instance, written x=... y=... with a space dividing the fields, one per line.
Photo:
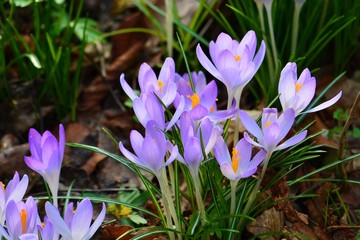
x=21 y=220
x=195 y=133
x=185 y=135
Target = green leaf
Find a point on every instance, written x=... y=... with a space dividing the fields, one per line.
x=86 y=30
x=356 y=132
x=137 y=219
x=21 y=3
x=34 y=60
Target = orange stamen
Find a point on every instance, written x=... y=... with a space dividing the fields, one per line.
x=2 y=186
x=237 y=58
x=235 y=159
x=23 y=215
x=268 y=123
x=161 y=84
x=195 y=99
x=298 y=86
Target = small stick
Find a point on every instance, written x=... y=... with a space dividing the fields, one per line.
x=343 y=135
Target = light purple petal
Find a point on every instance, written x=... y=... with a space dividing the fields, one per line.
x=56 y=220
x=288 y=78
x=257 y=159
x=177 y=114
x=259 y=57
x=170 y=94
x=62 y=140
x=35 y=143
x=221 y=152
x=206 y=63
x=13 y=220
x=227 y=171
x=250 y=124
x=286 y=121
x=130 y=155
x=34 y=164
x=96 y=224
x=250 y=140
x=292 y=141
x=167 y=72
x=82 y=218
x=126 y=87
x=325 y=104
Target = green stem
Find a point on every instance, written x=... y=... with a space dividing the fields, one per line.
x=198 y=197
x=165 y=197
x=295 y=27
x=272 y=37
x=165 y=189
x=233 y=185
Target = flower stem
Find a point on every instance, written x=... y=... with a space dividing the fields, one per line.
x=233 y=185
x=168 y=217
x=199 y=199
x=168 y=203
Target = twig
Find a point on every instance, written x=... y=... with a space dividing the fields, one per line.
x=343 y=135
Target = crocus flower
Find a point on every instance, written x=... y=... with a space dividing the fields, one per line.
x=233 y=63
x=152 y=109
x=76 y=222
x=239 y=164
x=193 y=137
x=273 y=129
x=13 y=191
x=162 y=86
x=46 y=157
x=150 y=150
x=297 y=93
x=21 y=218
x=200 y=102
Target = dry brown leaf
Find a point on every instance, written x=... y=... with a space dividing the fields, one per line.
x=270 y=220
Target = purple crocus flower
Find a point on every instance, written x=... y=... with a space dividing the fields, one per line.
x=76 y=222
x=200 y=102
x=233 y=63
x=21 y=218
x=152 y=109
x=150 y=150
x=162 y=86
x=13 y=191
x=297 y=93
x=239 y=164
x=46 y=157
x=193 y=137
x=273 y=129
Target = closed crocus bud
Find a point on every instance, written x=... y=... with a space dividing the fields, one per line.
x=46 y=157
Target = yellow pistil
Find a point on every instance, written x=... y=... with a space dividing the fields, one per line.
x=268 y=123
x=195 y=99
x=2 y=185
x=161 y=84
x=237 y=58
x=235 y=159
x=23 y=215
x=42 y=224
x=298 y=86
x=74 y=211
